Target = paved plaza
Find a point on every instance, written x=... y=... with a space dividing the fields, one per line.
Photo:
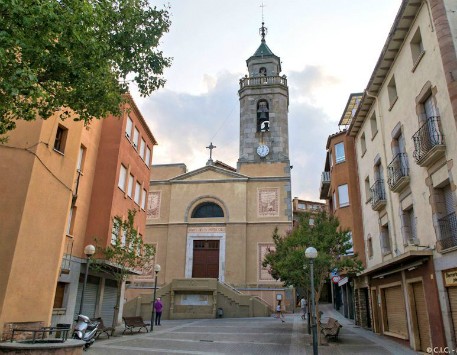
x=246 y=336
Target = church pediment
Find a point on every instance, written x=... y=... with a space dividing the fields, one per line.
x=210 y=173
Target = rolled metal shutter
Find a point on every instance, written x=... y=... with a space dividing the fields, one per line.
x=423 y=323
x=108 y=302
x=452 y=293
x=395 y=311
x=90 y=299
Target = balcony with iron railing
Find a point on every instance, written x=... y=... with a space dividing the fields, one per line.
x=263 y=80
x=398 y=172
x=448 y=233
x=325 y=185
x=429 y=144
x=66 y=260
x=378 y=195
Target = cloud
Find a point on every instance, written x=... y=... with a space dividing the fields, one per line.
x=309 y=128
x=307 y=83
x=184 y=125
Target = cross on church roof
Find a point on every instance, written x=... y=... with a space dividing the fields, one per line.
x=210 y=147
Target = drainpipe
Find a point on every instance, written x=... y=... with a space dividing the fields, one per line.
x=378 y=110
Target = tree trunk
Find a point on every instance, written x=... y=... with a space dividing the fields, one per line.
x=118 y=302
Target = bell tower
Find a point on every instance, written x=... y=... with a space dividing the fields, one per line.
x=264 y=103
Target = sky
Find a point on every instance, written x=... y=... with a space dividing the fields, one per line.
x=328 y=50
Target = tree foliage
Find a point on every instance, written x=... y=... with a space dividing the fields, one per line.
x=76 y=56
x=289 y=264
x=124 y=256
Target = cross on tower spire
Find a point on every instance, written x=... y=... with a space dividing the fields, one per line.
x=263 y=30
x=210 y=147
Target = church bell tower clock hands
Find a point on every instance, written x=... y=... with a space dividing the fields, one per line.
x=263 y=150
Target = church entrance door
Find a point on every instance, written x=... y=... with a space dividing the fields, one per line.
x=206 y=259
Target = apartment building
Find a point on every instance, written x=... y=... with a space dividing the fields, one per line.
x=300 y=206
x=62 y=185
x=406 y=142
x=339 y=186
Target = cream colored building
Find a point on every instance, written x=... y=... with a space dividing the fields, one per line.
x=406 y=144
x=217 y=221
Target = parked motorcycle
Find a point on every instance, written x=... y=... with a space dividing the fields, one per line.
x=85 y=330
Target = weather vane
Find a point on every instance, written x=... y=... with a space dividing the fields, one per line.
x=263 y=29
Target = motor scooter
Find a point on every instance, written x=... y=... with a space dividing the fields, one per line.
x=85 y=330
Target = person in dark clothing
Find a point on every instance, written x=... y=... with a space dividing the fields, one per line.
x=158 y=309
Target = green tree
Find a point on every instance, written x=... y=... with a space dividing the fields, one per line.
x=127 y=254
x=287 y=262
x=77 y=57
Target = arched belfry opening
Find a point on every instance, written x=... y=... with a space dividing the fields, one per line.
x=263 y=116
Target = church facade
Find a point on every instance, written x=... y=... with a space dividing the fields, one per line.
x=218 y=221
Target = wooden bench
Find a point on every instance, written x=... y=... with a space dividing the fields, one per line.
x=331 y=329
x=134 y=322
x=102 y=328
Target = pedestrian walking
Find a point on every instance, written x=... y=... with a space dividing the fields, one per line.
x=279 y=313
x=303 y=305
x=158 y=309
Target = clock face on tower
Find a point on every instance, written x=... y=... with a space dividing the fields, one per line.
x=263 y=150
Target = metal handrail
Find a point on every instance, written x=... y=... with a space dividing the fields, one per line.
x=428 y=136
x=397 y=169
x=66 y=260
x=62 y=335
x=325 y=177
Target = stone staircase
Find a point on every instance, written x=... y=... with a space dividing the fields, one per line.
x=198 y=298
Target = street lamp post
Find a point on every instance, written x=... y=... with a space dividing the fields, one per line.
x=156 y=270
x=89 y=250
x=311 y=254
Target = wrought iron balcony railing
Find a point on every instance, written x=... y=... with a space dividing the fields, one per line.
x=398 y=172
x=448 y=232
x=66 y=260
x=378 y=195
x=325 y=185
x=262 y=80
x=429 y=142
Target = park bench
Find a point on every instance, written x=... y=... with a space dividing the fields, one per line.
x=102 y=328
x=331 y=329
x=134 y=322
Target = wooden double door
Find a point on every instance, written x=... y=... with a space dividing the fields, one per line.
x=206 y=259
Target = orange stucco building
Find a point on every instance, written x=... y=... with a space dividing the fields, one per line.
x=61 y=186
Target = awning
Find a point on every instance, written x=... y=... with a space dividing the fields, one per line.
x=398 y=263
x=106 y=266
